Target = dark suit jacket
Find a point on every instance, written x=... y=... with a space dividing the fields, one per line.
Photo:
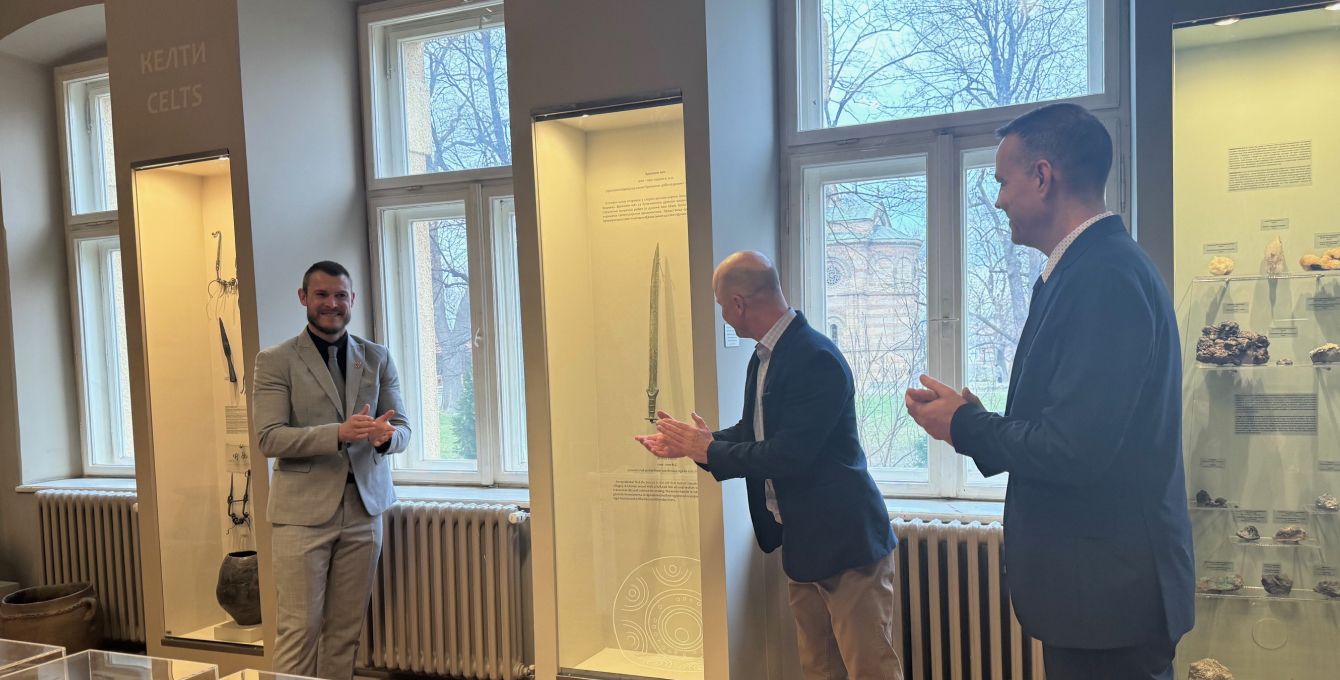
x=834 y=515
x=1097 y=534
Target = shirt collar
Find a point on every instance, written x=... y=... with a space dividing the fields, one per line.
x=769 y=340
x=1059 y=250
x=322 y=344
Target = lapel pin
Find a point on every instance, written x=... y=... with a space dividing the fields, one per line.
x=358 y=364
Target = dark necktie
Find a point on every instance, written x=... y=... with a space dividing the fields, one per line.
x=333 y=364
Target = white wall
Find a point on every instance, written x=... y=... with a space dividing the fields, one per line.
x=39 y=416
x=304 y=144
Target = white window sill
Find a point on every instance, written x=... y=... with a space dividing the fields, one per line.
x=945 y=510
x=464 y=494
x=80 y=484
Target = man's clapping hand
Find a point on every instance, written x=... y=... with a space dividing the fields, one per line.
x=362 y=426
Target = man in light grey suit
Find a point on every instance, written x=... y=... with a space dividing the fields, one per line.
x=327 y=408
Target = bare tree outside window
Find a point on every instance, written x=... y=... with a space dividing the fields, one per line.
x=878 y=309
x=455 y=88
x=894 y=59
x=442 y=278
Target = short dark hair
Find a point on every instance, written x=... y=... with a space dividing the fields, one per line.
x=328 y=268
x=1070 y=138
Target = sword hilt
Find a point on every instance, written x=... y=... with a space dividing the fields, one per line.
x=651 y=405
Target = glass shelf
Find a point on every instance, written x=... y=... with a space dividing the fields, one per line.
x=16 y=656
x=1318 y=275
x=1298 y=594
x=1257 y=367
x=1309 y=544
x=98 y=665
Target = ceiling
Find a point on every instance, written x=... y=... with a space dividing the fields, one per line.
x=53 y=39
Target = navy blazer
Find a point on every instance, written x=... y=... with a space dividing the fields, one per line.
x=834 y=515
x=1097 y=534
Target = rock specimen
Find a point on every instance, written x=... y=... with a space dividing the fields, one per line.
x=1226 y=344
x=1204 y=500
x=1209 y=669
x=1328 y=588
x=1291 y=534
x=1328 y=353
x=1221 y=266
x=1284 y=362
x=1277 y=584
x=1327 y=503
x=1249 y=533
x=1219 y=584
x=1275 y=256
x=1327 y=261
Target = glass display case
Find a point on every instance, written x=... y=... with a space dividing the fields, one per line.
x=614 y=248
x=195 y=404
x=1257 y=252
x=16 y=656
x=99 y=665
x=253 y=674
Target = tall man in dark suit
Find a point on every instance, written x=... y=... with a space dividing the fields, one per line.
x=809 y=489
x=1097 y=537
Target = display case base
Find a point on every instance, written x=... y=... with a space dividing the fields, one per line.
x=617 y=663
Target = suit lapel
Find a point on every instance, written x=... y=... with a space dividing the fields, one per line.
x=1045 y=293
x=317 y=365
x=353 y=377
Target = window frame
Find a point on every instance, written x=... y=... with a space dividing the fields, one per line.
x=383 y=96
x=799 y=36
x=381 y=26
x=93 y=323
x=489 y=370
x=89 y=154
x=945 y=140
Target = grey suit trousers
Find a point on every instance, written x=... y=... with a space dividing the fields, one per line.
x=323 y=575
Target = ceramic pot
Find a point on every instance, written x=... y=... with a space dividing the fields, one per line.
x=239 y=588
x=64 y=615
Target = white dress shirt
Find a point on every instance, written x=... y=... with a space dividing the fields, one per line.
x=764 y=351
x=1060 y=248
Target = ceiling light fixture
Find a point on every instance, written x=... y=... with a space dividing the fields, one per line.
x=1228 y=21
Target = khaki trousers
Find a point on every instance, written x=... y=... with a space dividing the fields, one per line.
x=323 y=579
x=844 y=624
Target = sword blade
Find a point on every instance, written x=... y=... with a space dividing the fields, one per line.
x=653 y=335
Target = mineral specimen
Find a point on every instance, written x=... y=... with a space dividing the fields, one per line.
x=1329 y=260
x=1249 y=533
x=1310 y=261
x=1220 y=265
x=1209 y=669
x=1328 y=353
x=1328 y=588
x=1204 y=500
x=1328 y=503
x=1219 y=584
x=1275 y=256
x=1284 y=362
x=1277 y=584
x=1291 y=534
x=1226 y=343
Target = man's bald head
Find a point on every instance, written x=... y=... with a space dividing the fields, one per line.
x=749 y=274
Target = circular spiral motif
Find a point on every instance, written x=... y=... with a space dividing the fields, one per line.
x=658 y=615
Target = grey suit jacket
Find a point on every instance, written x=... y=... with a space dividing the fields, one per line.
x=297 y=415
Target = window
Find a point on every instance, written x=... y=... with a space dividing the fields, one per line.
x=439 y=90
x=445 y=228
x=105 y=384
x=84 y=104
x=84 y=93
x=897 y=241
x=871 y=61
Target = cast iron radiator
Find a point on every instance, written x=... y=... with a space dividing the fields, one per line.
x=954 y=613
x=94 y=536
x=448 y=595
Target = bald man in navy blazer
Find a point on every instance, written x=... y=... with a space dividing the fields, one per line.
x=1097 y=535
x=810 y=493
